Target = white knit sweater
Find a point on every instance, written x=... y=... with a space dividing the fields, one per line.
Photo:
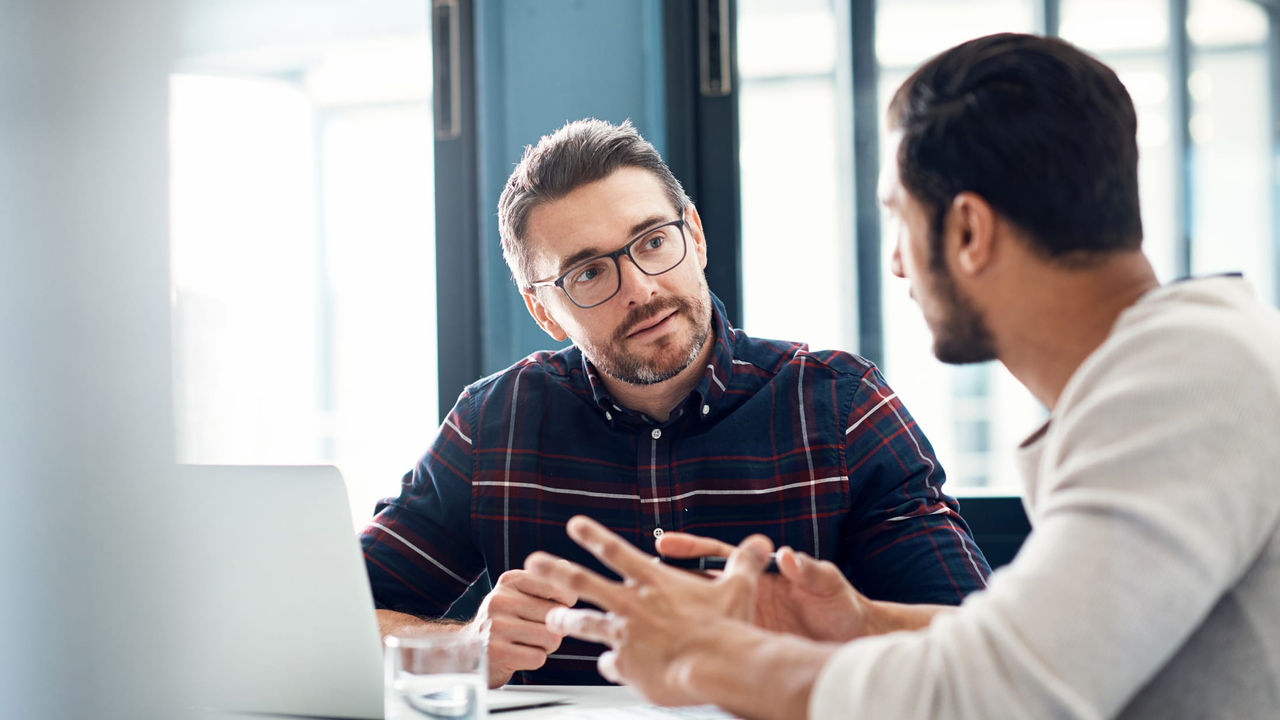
x=1150 y=584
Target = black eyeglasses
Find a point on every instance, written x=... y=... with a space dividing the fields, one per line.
x=595 y=280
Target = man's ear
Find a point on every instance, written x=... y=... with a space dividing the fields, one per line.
x=542 y=316
x=971 y=233
x=693 y=223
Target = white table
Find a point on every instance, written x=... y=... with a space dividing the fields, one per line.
x=582 y=697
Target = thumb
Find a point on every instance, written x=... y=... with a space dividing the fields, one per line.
x=816 y=577
x=750 y=558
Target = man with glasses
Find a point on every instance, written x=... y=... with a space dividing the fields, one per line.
x=659 y=417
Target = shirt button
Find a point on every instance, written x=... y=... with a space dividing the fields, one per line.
x=657 y=532
x=655 y=434
x=706 y=409
x=608 y=415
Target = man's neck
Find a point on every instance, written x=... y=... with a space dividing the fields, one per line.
x=1054 y=318
x=657 y=401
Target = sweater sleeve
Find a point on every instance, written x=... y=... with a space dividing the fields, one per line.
x=1157 y=491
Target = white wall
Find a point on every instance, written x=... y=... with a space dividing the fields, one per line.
x=85 y=428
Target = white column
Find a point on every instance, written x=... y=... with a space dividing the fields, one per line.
x=85 y=409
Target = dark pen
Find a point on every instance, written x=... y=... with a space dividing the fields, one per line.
x=713 y=562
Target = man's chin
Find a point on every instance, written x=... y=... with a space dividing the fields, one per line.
x=659 y=366
x=655 y=372
x=962 y=353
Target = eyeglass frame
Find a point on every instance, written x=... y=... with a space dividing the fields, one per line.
x=617 y=265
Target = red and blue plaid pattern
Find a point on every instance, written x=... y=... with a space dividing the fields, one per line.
x=812 y=449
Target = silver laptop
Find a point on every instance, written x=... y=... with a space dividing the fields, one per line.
x=280 y=617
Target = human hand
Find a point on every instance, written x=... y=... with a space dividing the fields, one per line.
x=514 y=615
x=660 y=619
x=807 y=597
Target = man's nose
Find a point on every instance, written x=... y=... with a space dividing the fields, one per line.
x=637 y=286
x=895 y=260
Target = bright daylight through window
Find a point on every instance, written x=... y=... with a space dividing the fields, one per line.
x=303 y=256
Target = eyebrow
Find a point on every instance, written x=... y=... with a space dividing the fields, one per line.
x=647 y=223
x=636 y=231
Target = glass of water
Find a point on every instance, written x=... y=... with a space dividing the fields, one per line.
x=439 y=675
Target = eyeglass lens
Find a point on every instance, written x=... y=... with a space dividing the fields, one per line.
x=654 y=253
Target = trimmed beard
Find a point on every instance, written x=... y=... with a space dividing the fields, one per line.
x=634 y=370
x=963 y=336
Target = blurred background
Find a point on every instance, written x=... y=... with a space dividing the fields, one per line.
x=263 y=231
x=316 y=253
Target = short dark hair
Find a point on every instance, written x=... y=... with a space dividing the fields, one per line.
x=1042 y=131
x=577 y=154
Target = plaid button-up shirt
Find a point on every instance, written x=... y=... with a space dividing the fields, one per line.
x=812 y=449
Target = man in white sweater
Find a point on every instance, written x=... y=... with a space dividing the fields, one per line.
x=1150 y=584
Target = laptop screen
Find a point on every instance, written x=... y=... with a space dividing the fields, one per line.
x=279 y=616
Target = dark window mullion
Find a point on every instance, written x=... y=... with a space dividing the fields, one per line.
x=1273 y=84
x=1049 y=17
x=1182 y=146
x=458 y=314
x=866 y=176
x=702 y=136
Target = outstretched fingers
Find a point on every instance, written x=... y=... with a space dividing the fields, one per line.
x=607 y=664
x=540 y=588
x=684 y=545
x=582 y=582
x=591 y=625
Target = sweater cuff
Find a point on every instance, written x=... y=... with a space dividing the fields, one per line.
x=844 y=687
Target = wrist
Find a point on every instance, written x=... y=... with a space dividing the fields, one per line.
x=753 y=672
x=883 y=616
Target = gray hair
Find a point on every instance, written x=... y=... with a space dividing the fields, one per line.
x=577 y=154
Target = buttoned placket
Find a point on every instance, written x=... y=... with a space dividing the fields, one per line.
x=655 y=482
x=653 y=514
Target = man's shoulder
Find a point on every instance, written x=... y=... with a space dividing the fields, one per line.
x=783 y=356
x=562 y=367
x=1201 y=344
x=1218 y=320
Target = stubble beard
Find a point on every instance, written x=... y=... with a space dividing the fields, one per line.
x=963 y=337
x=615 y=361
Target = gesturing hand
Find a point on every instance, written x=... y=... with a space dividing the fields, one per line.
x=514 y=613
x=808 y=597
x=660 y=618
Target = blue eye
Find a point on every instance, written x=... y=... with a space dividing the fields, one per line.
x=589 y=273
x=653 y=242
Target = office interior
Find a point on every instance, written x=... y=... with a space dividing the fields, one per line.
x=264 y=231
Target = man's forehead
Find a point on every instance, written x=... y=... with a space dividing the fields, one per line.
x=620 y=200
x=596 y=218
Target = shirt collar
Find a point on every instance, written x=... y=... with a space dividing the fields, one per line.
x=705 y=396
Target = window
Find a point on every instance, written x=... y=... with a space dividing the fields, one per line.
x=1232 y=226
x=303 y=242
x=796 y=171
x=1136 y=46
